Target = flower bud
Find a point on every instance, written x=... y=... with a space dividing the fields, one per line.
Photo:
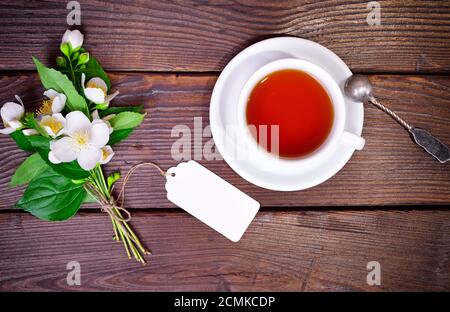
x=75 y=56
x=102 y=106
x=61 y=62
x=74 y=38
x=80 y=181
x=83 y=58
x=65 y=49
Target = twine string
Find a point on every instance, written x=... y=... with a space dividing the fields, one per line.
x=108 y=206
x=114 y=208
x=121 y=196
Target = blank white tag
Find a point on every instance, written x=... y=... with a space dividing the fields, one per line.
x=211 y=199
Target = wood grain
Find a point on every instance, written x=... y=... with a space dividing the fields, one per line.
x=289 y=251
x=391 y=170
x=414 y=35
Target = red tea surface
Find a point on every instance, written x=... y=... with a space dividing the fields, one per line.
x=298 y=104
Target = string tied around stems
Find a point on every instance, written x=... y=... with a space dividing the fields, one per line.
x=114 y=208
x=121 y=196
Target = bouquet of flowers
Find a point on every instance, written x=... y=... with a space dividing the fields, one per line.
x=70 y=137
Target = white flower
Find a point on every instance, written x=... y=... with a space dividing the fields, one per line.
x=11 y=114
x=107 y=154
x=55 y=104
x=106 y=119
x=96 y=90
x=53 y=124
x=84 y=142
x=74 y=38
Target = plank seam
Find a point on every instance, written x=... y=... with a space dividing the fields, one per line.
x=10 y=72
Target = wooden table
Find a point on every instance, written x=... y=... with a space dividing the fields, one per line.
x=388 y=204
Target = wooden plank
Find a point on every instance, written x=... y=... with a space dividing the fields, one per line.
x=391 y=170
x=414 y=35
x=290 y=251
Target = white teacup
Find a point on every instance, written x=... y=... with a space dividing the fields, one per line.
x=266 y=160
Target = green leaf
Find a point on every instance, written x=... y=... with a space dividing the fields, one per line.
x=32 y=167
x=53 y=79
x=52 y=197
x=119 y=135
x=112 y=179
x=126 y=120
x=88 y=198
x=22 y=141
x=70 y=170
x=120 y=109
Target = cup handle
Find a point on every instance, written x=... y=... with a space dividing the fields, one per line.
x=353 y=140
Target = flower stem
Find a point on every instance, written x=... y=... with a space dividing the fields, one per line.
x=73 y=73
x=121 y=228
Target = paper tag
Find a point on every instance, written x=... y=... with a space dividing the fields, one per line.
x=211 y=199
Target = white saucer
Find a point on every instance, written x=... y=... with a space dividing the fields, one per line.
x=224 y=103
